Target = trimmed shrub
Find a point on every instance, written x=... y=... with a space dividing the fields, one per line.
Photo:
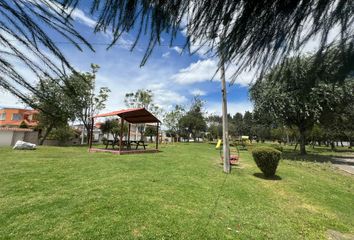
x=277 y=147
x=267 y=160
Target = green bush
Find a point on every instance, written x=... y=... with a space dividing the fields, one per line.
x=23 y=125
x=267 y=160
x=62 y=134
x=277 y=147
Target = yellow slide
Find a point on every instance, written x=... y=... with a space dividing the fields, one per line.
x=218 y=145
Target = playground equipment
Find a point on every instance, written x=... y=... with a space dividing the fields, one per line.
x=234 y=153
x=242 y=142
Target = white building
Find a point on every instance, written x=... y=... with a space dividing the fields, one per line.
x=9 y=136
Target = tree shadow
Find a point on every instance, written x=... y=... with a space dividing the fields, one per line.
x=344 y=150
x=261 y=175
x=318 y=158
x=309 y=157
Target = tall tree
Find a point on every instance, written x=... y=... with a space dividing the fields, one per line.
x=237 y=120
x=297 y=94
x=55 y=108
x=150 y=131
x=86 y=102
x=214 y=123
x=171 y=121
x=193 y=122
x=248 y=123
x=143 y=98
x=338 y=119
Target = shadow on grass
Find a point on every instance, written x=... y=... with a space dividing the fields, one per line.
x=309 y=157
x=318 y=158
x=344 y=150
x=261 y=175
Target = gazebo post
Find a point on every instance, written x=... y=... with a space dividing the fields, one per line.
x=157 y=136
x=129 y=135
x=91 y=132
x=121 y=134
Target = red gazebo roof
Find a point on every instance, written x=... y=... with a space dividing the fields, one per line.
x=132 y=115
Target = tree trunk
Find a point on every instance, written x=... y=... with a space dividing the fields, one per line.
x=302 y=141
x=88 y=130
x=46 y=134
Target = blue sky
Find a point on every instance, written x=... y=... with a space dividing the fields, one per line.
x=173 y=75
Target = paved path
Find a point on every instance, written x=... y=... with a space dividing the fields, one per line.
x=345 y=163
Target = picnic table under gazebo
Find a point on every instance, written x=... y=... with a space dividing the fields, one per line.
x=127 y=146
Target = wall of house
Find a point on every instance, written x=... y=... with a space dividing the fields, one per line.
x=31 y=137
x=6 y=138
x=17 y=136
x=10 y=137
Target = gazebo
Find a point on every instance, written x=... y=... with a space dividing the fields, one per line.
x=132 y=116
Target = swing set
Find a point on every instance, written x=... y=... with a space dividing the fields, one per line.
x=234 y=153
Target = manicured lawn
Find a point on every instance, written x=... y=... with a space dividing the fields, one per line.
x=180 y=193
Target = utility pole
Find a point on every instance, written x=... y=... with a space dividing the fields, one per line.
x=225 y=126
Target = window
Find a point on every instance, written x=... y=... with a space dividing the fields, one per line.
x=2 y=116
x=16 y=117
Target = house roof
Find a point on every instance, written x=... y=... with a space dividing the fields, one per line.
x=31 y=112
x=14 y=129
x=132 y=115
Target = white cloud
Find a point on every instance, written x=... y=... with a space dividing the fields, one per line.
x=76 y=14
x=200 y=71
x=165 y=97
x=206 y=70
x=177 y=49
x=8 y=100
x=232 y=107
x=132 y=78
x=166 y=55
x=198 y=92
x=80 y=16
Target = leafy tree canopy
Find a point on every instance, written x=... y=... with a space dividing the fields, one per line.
x=143 y=98
x=295 y=94
x=256 y=32
x=172 y=118
x=193 y=122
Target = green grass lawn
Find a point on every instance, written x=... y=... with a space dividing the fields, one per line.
x=179 y=193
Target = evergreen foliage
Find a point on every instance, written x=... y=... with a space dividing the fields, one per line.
x=267 y=160
x=257 y=33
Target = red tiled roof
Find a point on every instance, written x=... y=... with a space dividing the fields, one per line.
x=132 y=115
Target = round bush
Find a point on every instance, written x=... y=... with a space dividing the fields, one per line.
x=267 y=160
